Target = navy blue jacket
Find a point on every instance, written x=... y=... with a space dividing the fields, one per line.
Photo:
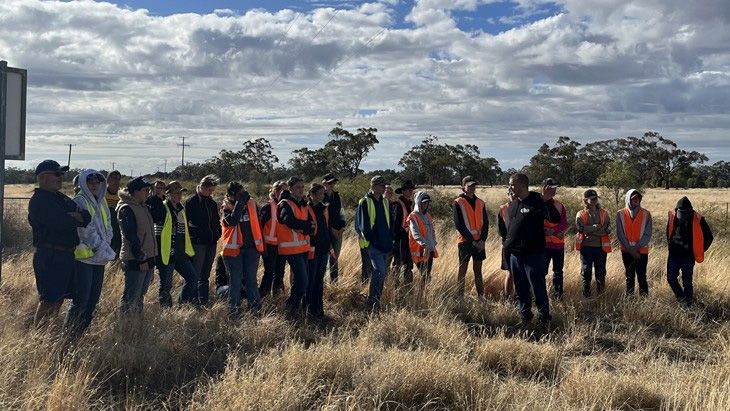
x=49 y=219
x=380 y=235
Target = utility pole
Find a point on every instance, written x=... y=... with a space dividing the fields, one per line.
x=183 y=145
x=113 y=164
x=69 y=154
x=165 y=166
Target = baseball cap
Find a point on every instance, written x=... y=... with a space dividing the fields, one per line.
x=468 y=181
x=49 y=166
x=174 y=187
x=329 y=178
x=378 y=181
x=550 y=182
x=590 y=193
x=137 y=184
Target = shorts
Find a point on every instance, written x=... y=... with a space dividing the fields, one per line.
x=54 y=271
x=467 y=251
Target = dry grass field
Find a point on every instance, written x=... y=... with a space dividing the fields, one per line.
x=609 y=352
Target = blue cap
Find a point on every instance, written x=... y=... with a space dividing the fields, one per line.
x=137 y=184
x=49 y=166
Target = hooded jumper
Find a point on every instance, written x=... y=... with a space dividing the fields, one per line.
x=646 y=238
x=680 y=240
x=98 y=234
x=428 y=242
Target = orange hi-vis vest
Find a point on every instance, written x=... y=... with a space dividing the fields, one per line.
x=310 y=209
x=605 y=239
x=472 y=218
x=233 y=237
x=404 y=211
x=419 y=253
x=698 y=238
x=555 y=239
x=293 y=241
x=271 y=225
x=634 y=227
x=504 y=212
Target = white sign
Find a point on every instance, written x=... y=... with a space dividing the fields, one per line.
x=17 y=81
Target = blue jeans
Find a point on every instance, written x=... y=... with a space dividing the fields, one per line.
x=203 y=263
x=686 y=265
x=590 y=258
x=298 y=265
x=87 y=282
x=189 y=290
x=243 y=268
x=136 y=284
x=558 y=259
x=315 y=284
x=528 y=272
x=377 y=279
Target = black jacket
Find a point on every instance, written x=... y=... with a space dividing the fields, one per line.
x=459 y=219
x=203 y=220
x=681 y=239
x=334 y=202
x=287 y=217
x=380 y=235
x=526 y=234
x=321 y=239
x=49 y=219
x=400 y=232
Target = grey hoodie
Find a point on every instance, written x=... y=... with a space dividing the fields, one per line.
x=646 y=237
x=97 y=235
x=429 y=242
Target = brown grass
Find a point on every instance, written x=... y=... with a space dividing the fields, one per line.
x=610 y=352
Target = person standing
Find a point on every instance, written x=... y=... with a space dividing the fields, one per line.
x=54 y=219
x=337 y=221
x=555 y=226
x=274 y=265
x=422 y=239
x=472 y=225
x=93 y=251
x=320 y=250
x=593 y=241
x=243 y=243
x=403 y=208
x=633 y=230
x=113 y=180
x=525 y=243
x=138 y=250
x=205 y=231
x=295 y=226
x=376 y=235
x=689 y=237
x=503 y=220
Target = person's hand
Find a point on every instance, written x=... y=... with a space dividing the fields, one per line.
x=243 y=196
x=549 y=231
x=337 y=233
x=76 y=216
x=332 y=253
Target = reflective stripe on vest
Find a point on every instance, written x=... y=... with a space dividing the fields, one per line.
x=472 y=218
x=168 y=232
x=605 y=239
x=292 y=241
x=233 y=237
x=558 y=240
x=371 y=214
x=698 y=237
x=310 y=209
x=419 y=253
x=634 y=227
x=270 y=226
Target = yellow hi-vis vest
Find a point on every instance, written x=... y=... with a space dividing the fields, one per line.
x=371 y=213
x=166 y=236
x=83 y=251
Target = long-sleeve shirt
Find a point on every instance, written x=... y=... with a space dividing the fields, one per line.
x=239 y=215
x=400 y=217
x=645 y=238
x=379 y=235
x=49 y=219
x=593 y=230
x=203 y=219
x=557 y=216
x=429 y=240
x=461 y=225
x=526 y=234
x=321 y=239
x=288 y=218
x=334 y=205
x=680 y=240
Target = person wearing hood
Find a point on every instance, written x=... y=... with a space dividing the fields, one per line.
x=472 y=225
x=272 y=281
x=525 y=243
x=422 y=238
x=54 y=219
x=689 y=236
x=243 y=244
x=174 y=245
x=401 y=249
x=205 y=231
x=633 y=230
x=320 y=250
x=593 y=241
x=138 y=249
x=555 y=226
x=93 y=252
x=503 y=225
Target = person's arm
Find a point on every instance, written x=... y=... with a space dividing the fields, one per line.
x=501 y=226
x=459 y=223
x=413 y=228
x=265 y=215
x=232 y=217
x=216 y=228
x=646 y=237
x=706 y=233
x=337 y=221
x=582 y=228
x=364 y=220
x=158 y=209
x=287 y=217
x=620 y=231
x=46 y=214
x=128 y=225
x=604 y=229
x=89 y=236
x=485 y=225
x=397 y=222
x=562 y=226
x=193 y=211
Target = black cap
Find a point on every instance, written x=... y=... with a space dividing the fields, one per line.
x=407 y=185
x=590 y=193
x=467 y=181
x=550 y=182
x=49 y=166
x=378 y=181
x=425 y=197
x=329 y=178
x=137 y=184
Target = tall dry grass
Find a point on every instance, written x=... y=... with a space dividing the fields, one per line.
x=609 y=352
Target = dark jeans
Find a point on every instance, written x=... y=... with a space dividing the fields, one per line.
x=189 y=290
x=367 y=267
x=558 y=259
x=425 y=268
x=636 y=270
x=404 y=263
x=334 y=266
x=242 y=268
x=528 y=272
x=54 y=274
x=315 y=284
x=87 y=283
x=274 y=266
x=298 y=266
x=136 y=284
x=686 y=265
x=203 y=263
x=593 y=258
x=377 y=279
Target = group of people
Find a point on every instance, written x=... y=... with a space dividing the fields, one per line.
x=76 y=238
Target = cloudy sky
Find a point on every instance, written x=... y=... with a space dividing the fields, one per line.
x=125 y=80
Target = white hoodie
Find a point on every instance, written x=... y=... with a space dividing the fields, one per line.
x=429 y=242
x=97 y=235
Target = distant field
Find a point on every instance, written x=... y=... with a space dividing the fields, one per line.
x=609 y=352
